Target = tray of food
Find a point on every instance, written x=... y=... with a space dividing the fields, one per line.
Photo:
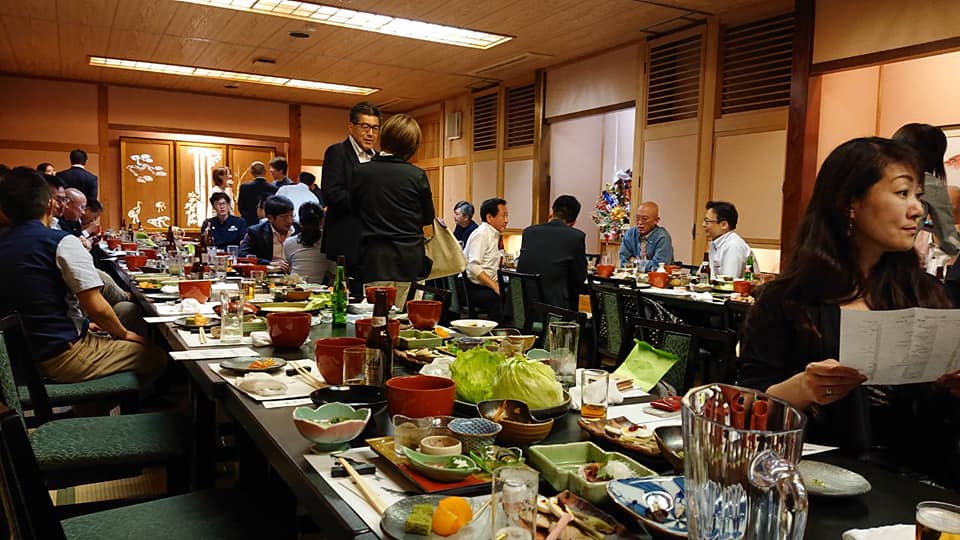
x=623 y=433
x=477 y=481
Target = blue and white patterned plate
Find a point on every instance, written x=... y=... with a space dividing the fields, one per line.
x=637 y=495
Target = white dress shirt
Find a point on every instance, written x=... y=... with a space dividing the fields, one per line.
x=483 y=253
x=728 y=255
x=362 y=154
x=298 y=194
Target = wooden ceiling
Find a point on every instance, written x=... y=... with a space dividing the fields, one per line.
x=53 y=38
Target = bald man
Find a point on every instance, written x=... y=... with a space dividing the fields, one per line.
x=76 y=203
x=648 y=244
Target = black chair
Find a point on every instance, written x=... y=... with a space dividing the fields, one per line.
x=523 y=290
x=73 y=451
x=460 y=306
x=547 y=314
x=30 y=515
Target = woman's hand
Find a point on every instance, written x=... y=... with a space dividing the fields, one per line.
x=821 y=382
x=950 y=381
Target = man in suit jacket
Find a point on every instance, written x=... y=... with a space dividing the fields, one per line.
x=278 y=171
x=265 y=240
x=251 y=192
x=78 y=177
x=557 y=252
x=341 y=230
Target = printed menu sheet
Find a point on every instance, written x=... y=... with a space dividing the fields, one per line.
x=901 y=346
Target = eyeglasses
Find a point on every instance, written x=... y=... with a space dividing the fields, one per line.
x=367 y=127
x=709 y=221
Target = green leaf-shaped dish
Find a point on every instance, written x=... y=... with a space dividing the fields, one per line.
x=427 y=465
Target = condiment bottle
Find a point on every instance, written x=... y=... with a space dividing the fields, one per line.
x=748 y=268
x=340 y=294
x=703 y=273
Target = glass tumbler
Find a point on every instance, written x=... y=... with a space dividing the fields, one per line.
x=564 y=342
x=231 y=316
x=938 y=521
x=594 y=387
x=353 y=358
x=514 y=503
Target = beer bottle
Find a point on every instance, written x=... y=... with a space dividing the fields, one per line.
x=748 y=268
x=196 y=271
x=379 y=361
x=703 y=273
x=340 y=294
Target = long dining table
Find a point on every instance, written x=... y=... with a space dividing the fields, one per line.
x=272 y=454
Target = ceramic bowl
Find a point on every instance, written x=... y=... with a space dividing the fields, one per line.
x=473 y=327
x=523 y=343
x=538 y=354
x=474 y=433
x=149 y=253
x=424 y=314
x=441 y=445
x=520 y=427
x=288 y=330
x=330 y=427
x=604 y=270
x=247 y=259
x=371 y=294
x=114 y=244
x=362 y=329
x=358 y=396
x=559 y=463
x=128 y=246
x=431 y=466
x=670 y=441
x=329 y=355
x=245 y=269
x=135 y=262
x=198 y=289
x=418 y=396
x=503 y=332
x=296 y=296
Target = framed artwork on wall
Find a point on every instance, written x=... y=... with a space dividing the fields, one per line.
x=195 y=164
x=147 y=183
x=951 y=159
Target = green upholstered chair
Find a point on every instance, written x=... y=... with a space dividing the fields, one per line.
x=71 y=451
x=121 y=388
x=608 y=320
x=30 y=514
x=523 y=290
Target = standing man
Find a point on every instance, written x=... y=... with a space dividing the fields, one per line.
x=483 y=258
x=341 y=230
x=278 y=171
x=728 y=251
x=224 y=229
x=76 y=204
x=78 y=177
x=251 y=193
x=647 y=242
x=310 y=179
x=298 y=193
x=557 y=252
x=463 y=217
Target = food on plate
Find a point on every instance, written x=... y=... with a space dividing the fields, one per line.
x=420 y=520
x=262 y=364
x=459 y=506
x=442 y=332
x=601 y=472
x=460 y=463
x=473 y=372
x=527 y=380
x=149 y=285
x=200 y=319
x=493 y=457
x=586 y=526
x=451 y=515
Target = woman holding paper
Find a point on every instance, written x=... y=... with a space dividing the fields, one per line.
x=854 y=251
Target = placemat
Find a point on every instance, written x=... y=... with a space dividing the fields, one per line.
x=296 y=386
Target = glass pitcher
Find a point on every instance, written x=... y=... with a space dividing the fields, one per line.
x=741 y=451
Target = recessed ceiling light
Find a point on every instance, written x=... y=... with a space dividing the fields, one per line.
x=188 y=71
x=362 y=20
x=299 y=35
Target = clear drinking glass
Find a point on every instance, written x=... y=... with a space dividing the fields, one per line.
x=563 y=341
x=233 y=252
x=175 y=265
x=938 y=521
x=220 y=269
x=513 y=508
x=231 y=316
x=353 y=358
x=594 y=387
x=258 y=275
x=249 y=288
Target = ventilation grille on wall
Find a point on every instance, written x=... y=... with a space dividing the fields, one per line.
x=521 y=106
x=485 y=122
x=674 y=89
x=757 y=59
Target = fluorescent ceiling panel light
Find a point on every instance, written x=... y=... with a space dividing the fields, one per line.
x=362 y=20
x=187 y=71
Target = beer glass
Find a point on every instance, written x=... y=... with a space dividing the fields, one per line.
x=594 y=386
x=938 y=521
x=563 y=343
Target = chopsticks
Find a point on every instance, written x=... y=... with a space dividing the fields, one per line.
x=307 y=377
x=203 y=336
x=369 y=494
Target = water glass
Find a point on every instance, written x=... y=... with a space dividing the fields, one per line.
x=211 y=254
x=408 y=432
x=938 y=521
x=353 y=358
x=231 y=316
x=513 y=507
x=221 y=267
x=563 y=342
x=175 y=265
x=594 y=387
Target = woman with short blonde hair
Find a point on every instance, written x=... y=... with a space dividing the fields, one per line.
x=400 y=136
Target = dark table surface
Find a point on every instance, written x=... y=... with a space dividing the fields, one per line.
x=892 y=499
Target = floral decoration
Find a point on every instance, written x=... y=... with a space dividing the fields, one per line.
x=612 y=212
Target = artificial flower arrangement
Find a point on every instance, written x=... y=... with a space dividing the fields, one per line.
x=612 y=212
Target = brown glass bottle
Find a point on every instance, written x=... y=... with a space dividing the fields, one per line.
x=379 y=344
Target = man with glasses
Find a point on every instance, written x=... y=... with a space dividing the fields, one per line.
x=648 y=245
x=342 y=224
x=728 y=251
x=224 y=229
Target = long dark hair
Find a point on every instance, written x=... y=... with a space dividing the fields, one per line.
x=310 y=217
x=824 y=268
x=929 y=142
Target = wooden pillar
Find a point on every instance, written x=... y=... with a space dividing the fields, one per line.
x=541 y=153
x=708 y=113
x=295 y=148
x=108 y=190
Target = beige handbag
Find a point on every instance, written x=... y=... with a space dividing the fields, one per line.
x=445 y=252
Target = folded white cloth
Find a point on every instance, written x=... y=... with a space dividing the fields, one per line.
x=614 y=396
x=262 y=384
x=889 y=532
x=701 y=296
x=190 y=305
x=260 y=338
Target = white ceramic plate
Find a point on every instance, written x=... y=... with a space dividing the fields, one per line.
x=827 y=480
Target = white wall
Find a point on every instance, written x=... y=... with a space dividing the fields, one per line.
x=670 y=179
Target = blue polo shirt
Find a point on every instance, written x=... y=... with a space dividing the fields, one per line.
x=44 y=269
x=226 y=233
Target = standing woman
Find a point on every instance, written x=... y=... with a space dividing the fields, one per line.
x=857 y=232
x=223 y=182
x=394 y=202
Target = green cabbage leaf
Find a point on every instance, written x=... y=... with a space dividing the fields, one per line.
x=527 y=380
x=473 y=372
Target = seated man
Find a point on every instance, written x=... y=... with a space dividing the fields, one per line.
x=265 y=239
x=557 y=252
x=56 y=284
x=647 y=244
x=483 y=258
x=728 y=251
x=90 y=220
x=76 y=204
x=223 y=228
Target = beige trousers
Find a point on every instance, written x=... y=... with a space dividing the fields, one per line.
x=94 y=356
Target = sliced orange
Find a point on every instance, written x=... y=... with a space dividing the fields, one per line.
x=200 y=320
x=446 y=522
x=459 y=506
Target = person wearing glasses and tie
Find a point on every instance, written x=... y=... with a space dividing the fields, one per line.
x=647 y=244
x=728 y=250
x=342 y=226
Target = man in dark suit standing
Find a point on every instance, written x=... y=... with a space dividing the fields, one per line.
x=557 y=252
x=78 y=177
x=278 y=171
x=341 y=230
x=251 y=192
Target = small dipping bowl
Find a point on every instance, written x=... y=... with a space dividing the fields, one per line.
x=441 y=445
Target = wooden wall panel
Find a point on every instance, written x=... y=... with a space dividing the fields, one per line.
x=195 y=163
x=319 y=128
x=147 y=183
x=240 y=157
x=50 y=111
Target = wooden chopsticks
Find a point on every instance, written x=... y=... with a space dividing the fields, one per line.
x=307 y=377
x=203 y=336
x=369 y=494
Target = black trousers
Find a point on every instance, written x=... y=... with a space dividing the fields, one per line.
x=484 y=300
